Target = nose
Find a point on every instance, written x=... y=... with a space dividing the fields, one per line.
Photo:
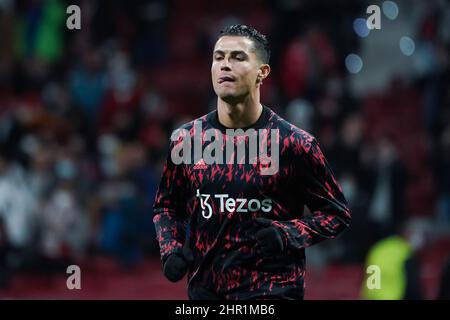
x=225 y=65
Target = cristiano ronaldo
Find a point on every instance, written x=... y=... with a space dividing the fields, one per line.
x=247 y=230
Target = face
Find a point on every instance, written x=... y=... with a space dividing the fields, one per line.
x=236 y=68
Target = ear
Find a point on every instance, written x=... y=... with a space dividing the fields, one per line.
x=263 y=72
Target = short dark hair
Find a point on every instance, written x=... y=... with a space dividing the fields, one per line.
x=259 y=40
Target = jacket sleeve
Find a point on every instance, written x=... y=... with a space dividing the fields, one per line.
x=329 y=212
x=170 y=218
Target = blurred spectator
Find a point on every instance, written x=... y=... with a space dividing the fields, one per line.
x=127 y=195
x=63 y=226
x=40 y=30
x=396 y=257
x=88 y=84
x=301 y=114
x=150 y=48
x=442 y=172
x=4 y=255
x=119 y=236
x=444 y=287
x=358 y=239
x=7 y=29
x=307 y=61
x=120 y=111
x=296 y=68
x=350 y=142
x=387 y=205
x=18 y=204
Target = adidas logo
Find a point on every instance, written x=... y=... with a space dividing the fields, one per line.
x=201 y=165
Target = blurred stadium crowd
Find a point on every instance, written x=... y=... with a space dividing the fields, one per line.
x=86 y=115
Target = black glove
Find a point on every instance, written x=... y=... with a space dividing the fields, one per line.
x=268 y=239
x=176 y=265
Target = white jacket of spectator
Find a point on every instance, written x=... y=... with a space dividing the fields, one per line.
x=17 y=206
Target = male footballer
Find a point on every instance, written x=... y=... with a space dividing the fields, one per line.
x=244 y=209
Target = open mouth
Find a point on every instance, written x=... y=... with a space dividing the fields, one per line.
x=225 y=79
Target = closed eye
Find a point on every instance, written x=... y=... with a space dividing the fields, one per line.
x=237 y=55
x=240 y=57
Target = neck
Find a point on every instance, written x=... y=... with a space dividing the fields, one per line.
x=239 y=115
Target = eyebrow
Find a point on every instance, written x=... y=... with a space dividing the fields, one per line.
x=232 y=52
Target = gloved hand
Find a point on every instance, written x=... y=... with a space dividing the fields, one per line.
x=176 y=265
x=269 y=241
